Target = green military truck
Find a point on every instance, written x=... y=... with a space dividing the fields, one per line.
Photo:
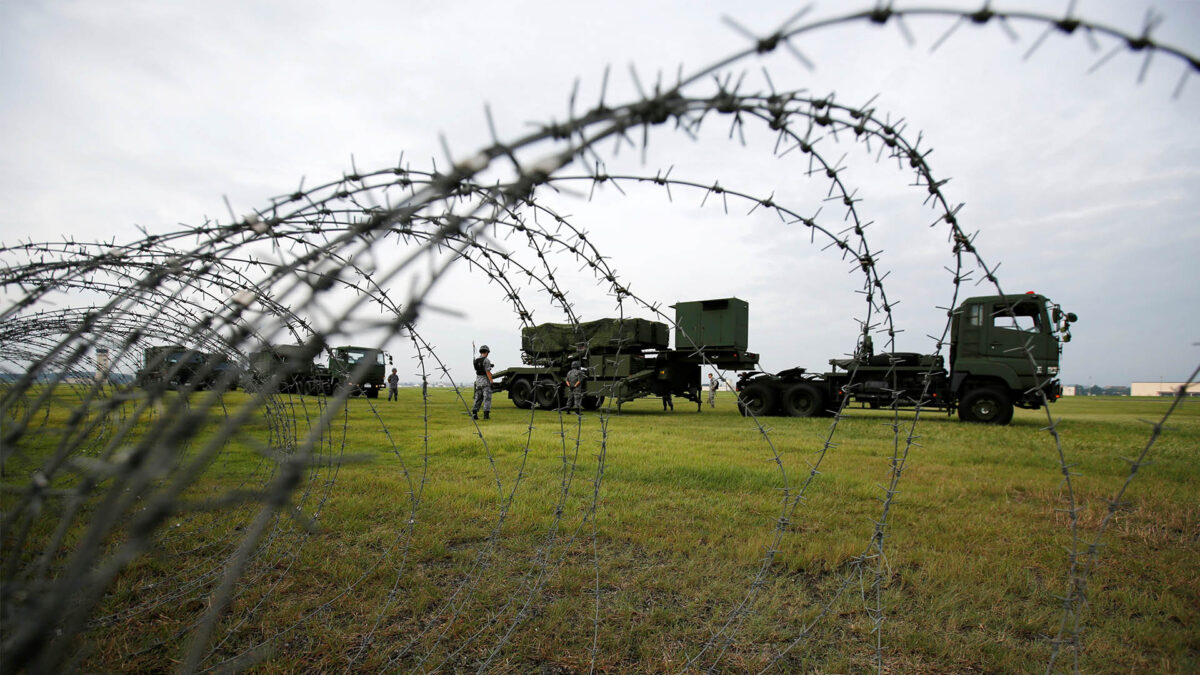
x=302 y=375
x=627 y=359
x=344 y=361
x=1004 y=352
x=177 y=366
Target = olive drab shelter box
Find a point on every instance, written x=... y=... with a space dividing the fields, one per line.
x=615 y=365
x=712 y=324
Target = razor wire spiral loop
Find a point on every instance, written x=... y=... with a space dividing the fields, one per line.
x=230 y=288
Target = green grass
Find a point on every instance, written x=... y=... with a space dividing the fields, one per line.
x=688 y=506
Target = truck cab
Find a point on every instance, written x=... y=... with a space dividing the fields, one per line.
x=1004 y=351
x=344 y=361
x=171 y=365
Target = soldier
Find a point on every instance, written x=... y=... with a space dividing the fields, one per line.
x=393 y=383
x=483 y=384
x=713 y=383
x=575 y=388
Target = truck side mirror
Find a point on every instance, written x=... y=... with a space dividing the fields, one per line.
x=1057 y=315
x=1071 y=318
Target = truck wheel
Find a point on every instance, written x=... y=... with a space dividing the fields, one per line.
x=804 y=400
x=985 y=405
x=757 y=399
x=591 y=402
x=546 y=395
x=521 y=393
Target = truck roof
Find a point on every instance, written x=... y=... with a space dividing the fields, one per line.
x=1010 y=297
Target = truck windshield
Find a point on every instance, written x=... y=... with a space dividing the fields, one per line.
x=353 y=356
x=1023 y=316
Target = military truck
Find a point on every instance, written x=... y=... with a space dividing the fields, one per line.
x=344 y=361
x=299 y=374
x=302 y=375
x=175 y=366
x=626 y=359
x=1004 y=352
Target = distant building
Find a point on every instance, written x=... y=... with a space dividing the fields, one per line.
x=101 y=364
x=1162 y=388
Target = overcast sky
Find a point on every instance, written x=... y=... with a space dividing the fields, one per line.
x=1083 y=186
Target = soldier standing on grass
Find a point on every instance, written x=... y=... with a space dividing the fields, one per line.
x=483 y=384
x=713 y=383
x=393 y=386
x=575 y=388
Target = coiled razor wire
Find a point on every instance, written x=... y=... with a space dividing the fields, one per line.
x=90 y=495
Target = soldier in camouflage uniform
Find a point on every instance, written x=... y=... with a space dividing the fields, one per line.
x=575 y=388
x=393 y=383
x=713 y=383
x=483 y=384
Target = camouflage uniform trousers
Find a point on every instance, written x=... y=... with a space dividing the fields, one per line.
x=483 y=394
x=575 y=398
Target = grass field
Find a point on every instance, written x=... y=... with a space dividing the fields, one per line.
x=663 y=542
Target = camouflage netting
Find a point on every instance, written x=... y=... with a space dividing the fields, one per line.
x=601 y=335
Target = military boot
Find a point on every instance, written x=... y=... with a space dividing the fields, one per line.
x=487 y=414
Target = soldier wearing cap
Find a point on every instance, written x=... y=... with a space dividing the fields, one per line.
x=713 y=383
x=575 y=388
x=483 y=384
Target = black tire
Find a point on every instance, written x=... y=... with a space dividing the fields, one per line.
x=521 y=393
x=592 y=402
x=546 y=395
x=373 y=392
x=985 y=405
x=757 y=400
x=804 y=399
